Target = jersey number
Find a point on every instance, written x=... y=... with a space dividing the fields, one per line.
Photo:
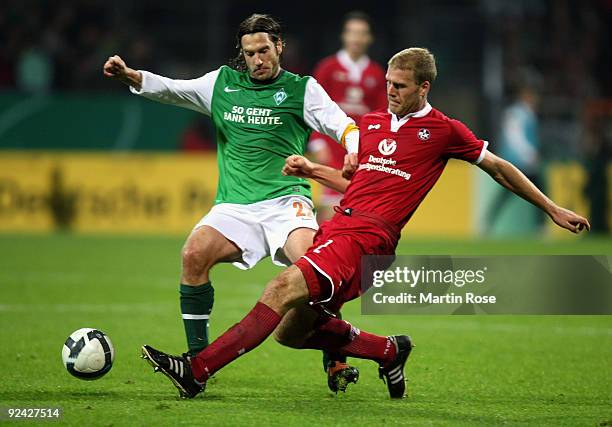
x=324 y=245
x=300 y=210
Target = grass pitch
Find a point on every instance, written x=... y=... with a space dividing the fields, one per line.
x=465 y=370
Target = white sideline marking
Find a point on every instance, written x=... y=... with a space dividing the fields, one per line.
x=88 y=308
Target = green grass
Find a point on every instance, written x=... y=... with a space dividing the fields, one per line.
x=465 y=370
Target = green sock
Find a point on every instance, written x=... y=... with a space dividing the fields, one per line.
x=196 y=305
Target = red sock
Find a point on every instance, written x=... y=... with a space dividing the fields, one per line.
x=340 y=337
x=331 y=332
x=370 y=346
x=237 y=340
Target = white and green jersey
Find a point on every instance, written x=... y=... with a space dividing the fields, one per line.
x=258 y=126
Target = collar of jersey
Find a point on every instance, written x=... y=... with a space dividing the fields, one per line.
x=269 y=81
x=397 y=123
x=355 y=68
x=421 y=113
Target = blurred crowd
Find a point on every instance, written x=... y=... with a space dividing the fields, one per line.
x=60 y=45
x=540 y=67
x=557 y=93
x=561 y=50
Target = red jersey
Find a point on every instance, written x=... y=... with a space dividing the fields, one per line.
x=358 y=87
x=401 y=160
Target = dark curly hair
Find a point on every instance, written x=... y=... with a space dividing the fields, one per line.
x=256 y=23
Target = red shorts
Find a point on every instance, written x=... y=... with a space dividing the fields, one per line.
x=332 y=266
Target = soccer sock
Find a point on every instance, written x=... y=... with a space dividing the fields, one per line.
x=340 y=337
x=236 y=341
x=331 y=358
x=196 y=305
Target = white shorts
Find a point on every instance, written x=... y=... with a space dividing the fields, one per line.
x=261 y=229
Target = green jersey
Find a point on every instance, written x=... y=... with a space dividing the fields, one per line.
x=258 y=125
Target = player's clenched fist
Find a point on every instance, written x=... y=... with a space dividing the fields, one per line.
x=351 y=162
x=298 y=166
x=115 y=67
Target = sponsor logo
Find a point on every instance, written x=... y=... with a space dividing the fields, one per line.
x=376 y=126
x=382 y=164
x=423 y=134
x=382 y=160
x=280 y=96
x=228 y=90
x=387 y=147
x=252 y=116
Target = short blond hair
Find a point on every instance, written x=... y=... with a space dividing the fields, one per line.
x=420 y=60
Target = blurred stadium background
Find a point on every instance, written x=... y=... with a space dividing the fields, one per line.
x=78 y=152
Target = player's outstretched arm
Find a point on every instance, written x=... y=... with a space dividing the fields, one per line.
x=195 y=94
x=300 y=166
x=506 y=174
x=115 y=68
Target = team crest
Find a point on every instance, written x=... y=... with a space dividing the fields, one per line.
x=280 y=96
x=387 y=147
x=424 y=134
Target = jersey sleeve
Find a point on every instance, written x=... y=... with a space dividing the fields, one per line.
x=322 y=114
x=464 y=145
x=318 y=141
x=195 y=94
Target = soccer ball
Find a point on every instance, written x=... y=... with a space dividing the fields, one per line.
x=88 y=354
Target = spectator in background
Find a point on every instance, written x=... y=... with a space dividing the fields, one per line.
x=519 y=144
x=199 y=136
x=34 y=69
x=357 y=85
